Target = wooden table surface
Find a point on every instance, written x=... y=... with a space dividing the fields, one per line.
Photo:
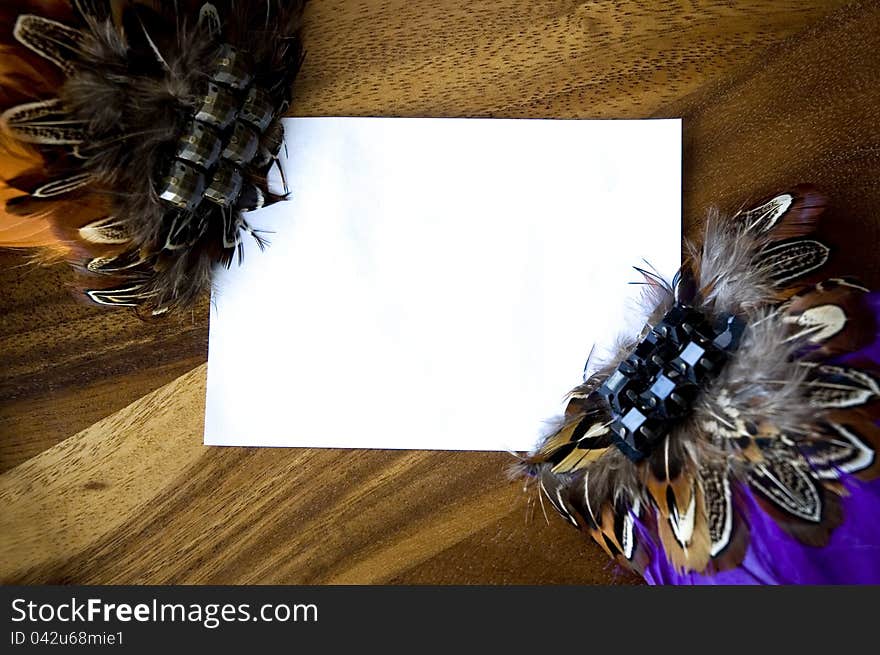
x=103 y=475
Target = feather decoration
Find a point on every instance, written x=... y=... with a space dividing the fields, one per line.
x=734 y=407
x=136 y=135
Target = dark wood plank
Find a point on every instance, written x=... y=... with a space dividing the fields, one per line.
x=808 y=112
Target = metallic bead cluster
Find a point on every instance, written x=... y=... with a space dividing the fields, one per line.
x=226 y=136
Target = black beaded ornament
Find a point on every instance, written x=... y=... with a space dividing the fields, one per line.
x=654 y=387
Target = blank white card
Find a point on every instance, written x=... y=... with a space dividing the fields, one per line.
x=437 y=283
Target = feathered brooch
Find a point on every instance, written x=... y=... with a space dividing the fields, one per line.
x=137 y=134
x=735 y=440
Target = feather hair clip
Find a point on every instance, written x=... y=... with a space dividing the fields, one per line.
x=735 y=441
x=137 y=134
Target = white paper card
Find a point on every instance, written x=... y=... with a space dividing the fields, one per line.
x=437 y=283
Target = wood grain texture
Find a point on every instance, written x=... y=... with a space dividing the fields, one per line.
x=137 y=498
x=562 y=59
x=809 y=111
x=66 y=364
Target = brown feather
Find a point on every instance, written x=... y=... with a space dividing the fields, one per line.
x=684 y=533
x=816 y=534
x=735 y=551
x=578 y=459
x=681 y=512
x=667 y=479
x=833 y=315
x=793 y=214
x=787 y=489
x=859 y=427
